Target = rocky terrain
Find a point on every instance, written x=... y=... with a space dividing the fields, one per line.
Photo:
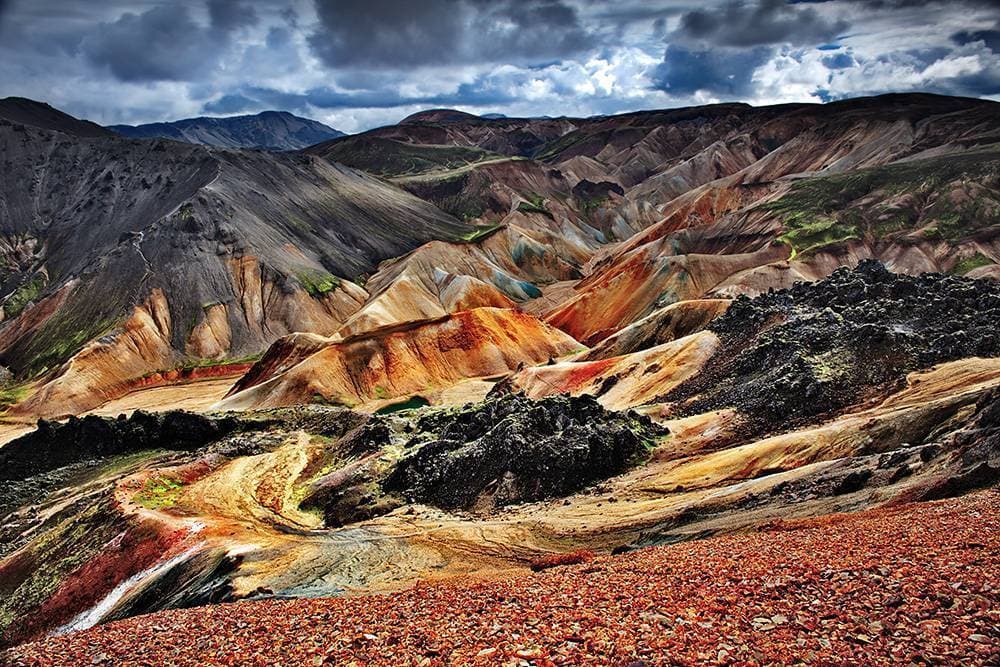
x=268 y=130
x=909 y=584
x=790 y=355
x=320 y=500
x=431 y=357
x=589 y=224
x=504 y=451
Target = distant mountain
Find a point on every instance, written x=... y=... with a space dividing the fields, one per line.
x=38 y=114
x=271 y=130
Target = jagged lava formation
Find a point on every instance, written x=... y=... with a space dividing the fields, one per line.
x=789 y=356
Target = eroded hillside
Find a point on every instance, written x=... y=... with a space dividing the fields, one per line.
x=749 y=417
x=124 y=258
x=512 y=343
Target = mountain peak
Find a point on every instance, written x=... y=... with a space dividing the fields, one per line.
x=271 y=130
x=439 y=116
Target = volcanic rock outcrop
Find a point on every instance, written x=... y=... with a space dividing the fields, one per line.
x=792 y=355
x=512 y=449
x=54 y=445
x=504 y=451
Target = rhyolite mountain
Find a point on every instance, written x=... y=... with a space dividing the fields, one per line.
x=160 y=251
x=270 y=130
x=591 y=224
x=706 y=201
x=426 y=334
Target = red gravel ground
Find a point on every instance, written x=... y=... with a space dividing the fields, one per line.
x=912 y=584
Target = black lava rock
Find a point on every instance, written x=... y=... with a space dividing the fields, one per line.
x=53 y=445
x=794 y=355
x=513 y=449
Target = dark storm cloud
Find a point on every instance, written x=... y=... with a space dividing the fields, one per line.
x=231 y=104
x=163 y=43
x=478 y=92
x=356 y=61
x=227 y=15
x=717 y=50
x=724 y=72
x=838 y=61
x=991 y=38
x=402 y=34
x=903 y=4
x=755 y=24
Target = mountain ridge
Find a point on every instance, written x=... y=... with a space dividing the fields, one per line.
x=267 y=130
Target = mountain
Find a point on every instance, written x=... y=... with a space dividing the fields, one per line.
x=461 y=346
x=23 y=111
x=269 y=130
x=702 y=201
x=123 y=257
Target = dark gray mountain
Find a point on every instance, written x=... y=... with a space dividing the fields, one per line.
x=271 y=130
x=186 y=251
x=38 y=114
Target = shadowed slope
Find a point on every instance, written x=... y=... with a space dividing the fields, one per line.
x=272 y=130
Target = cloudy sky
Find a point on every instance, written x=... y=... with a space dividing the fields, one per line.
x=356 y=64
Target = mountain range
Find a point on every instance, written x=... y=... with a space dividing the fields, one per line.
x=463 y=345
x=269 y=130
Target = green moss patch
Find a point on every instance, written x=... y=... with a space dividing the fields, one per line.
x=11 y=396
x=23 y=295
x=480 y=232
x=535 y=204
x=947 y=198
x=411 y=403
x=318 y=283
x=967 y=264
x=159 y=492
